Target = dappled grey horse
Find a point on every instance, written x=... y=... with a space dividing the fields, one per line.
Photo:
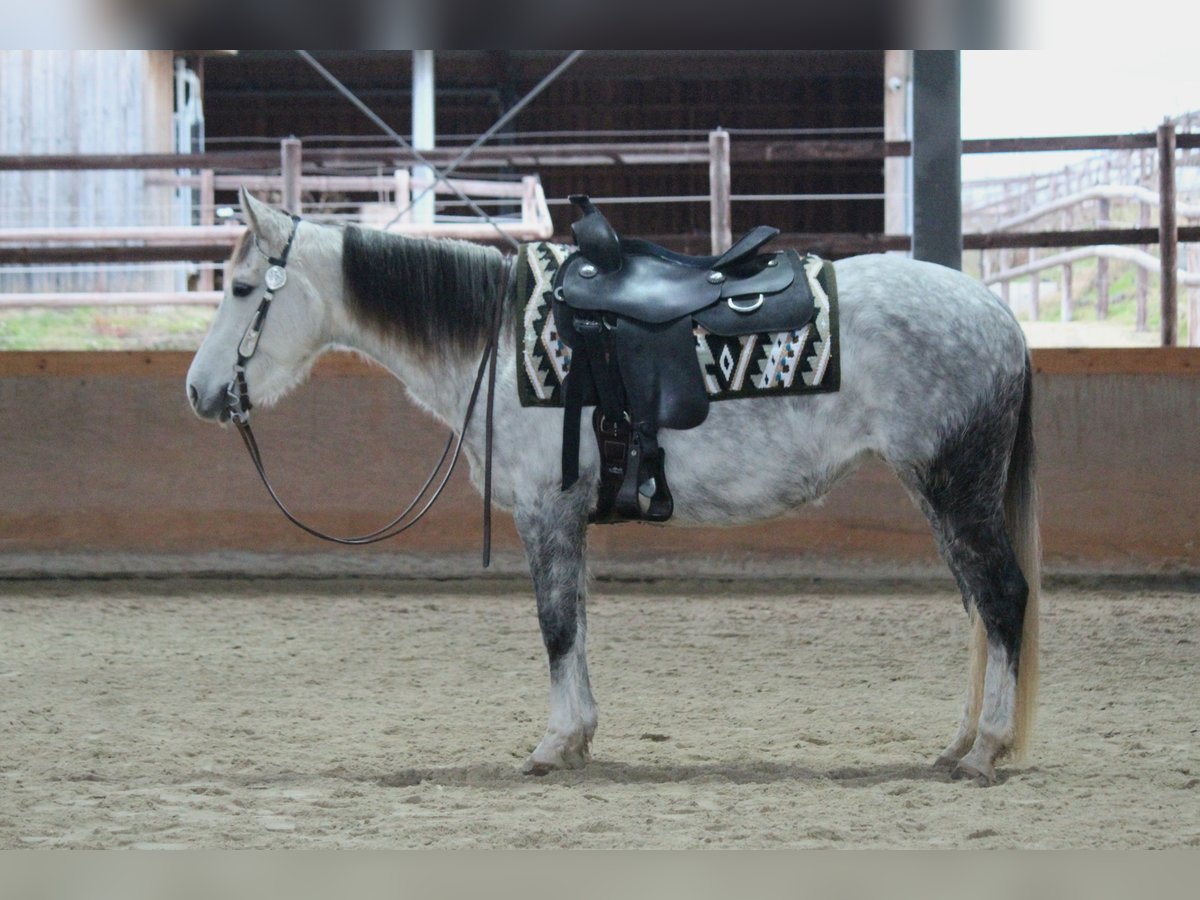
x=935 y=380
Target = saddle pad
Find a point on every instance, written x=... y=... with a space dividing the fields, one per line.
x=757 y=365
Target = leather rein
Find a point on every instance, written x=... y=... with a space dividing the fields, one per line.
x=238 y=406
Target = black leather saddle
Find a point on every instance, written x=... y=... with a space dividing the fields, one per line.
x=628 y=309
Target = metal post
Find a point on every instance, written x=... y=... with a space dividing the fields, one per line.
x=1143 y=277
x=1067 y=300
x=404 y=195
x=1035 y=288
x=1102 y=288
x=1194 y=297
x=1005 y=290
x=937 y=157
x=1102 y=283
x=1068 y=293
x=897 y=83
x=720 y=201
x=289 y=152
x=1168 y=234
x=207 y=197
x=423 y=136
x=529 y=185
x=204 y=278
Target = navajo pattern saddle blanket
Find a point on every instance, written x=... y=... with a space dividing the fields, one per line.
x=757 y=365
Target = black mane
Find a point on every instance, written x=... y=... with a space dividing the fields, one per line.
x=425 y=293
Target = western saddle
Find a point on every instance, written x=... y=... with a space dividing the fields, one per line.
x=628 y=309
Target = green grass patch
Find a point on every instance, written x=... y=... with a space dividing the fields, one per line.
x=105 y=328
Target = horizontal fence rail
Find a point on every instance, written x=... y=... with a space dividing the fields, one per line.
x=581 y=154
x=111 y=298
x=821 y=242
x=325 y=169
x=1139 y=258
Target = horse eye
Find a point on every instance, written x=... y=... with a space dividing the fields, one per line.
x=241 y=289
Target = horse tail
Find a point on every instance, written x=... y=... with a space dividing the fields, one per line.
x=1021 y=523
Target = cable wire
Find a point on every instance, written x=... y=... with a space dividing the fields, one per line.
x=438 y=174
x=500 y=123
x=398 y=138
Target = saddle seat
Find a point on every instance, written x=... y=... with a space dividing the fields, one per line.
x=627 y=308
x=650 y=283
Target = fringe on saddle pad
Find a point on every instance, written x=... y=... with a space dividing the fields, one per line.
x=756 y=365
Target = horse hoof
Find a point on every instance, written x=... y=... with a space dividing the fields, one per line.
x=545 y=760
x=540 y=767
x=946 y=763
x=966 y=772
x=536 y=768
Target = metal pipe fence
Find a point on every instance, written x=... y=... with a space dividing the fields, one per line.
x=344 y=178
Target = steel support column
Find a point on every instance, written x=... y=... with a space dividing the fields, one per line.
x=937 y=157
x=423 y=132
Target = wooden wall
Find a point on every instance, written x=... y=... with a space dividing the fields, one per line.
x=101 y=455
x=84 y=101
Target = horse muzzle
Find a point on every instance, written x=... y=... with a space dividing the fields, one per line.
x=212 y=407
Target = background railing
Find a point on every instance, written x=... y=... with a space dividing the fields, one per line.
x=314 y=181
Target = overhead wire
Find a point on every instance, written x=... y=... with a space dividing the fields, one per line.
x=439 y=174
x=398 y=138
x=500 y=123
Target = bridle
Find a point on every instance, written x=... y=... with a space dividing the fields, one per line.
x=238 y=394
x=238 y=406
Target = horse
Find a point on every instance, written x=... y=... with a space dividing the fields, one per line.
x=936 y=381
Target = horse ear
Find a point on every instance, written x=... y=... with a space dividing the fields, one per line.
x=266 y=222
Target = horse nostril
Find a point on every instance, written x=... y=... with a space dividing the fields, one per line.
x=193 y=396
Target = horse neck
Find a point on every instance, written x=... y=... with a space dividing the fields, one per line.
x=439 y=382
x=438 y=378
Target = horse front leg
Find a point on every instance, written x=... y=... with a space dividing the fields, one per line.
x=554 y=531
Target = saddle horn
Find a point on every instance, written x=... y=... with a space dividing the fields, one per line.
x=595 y=238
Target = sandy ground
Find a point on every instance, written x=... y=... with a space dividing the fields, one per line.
x=210 y=714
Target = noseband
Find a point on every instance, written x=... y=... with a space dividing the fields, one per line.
x=238 y=406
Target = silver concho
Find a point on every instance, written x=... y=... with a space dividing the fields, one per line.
x=275 y=278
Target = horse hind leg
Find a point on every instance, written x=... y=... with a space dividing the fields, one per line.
x=973 y=702
x=980 y=498
x=996 y=593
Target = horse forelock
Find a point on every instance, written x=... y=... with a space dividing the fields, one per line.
x=427 y=293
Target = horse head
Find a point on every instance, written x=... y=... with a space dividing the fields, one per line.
x=278 y=266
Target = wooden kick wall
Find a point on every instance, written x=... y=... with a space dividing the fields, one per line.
x=99 y=453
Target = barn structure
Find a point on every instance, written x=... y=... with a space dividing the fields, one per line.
x=805 y=131
x=612 y=96
x=181 y=668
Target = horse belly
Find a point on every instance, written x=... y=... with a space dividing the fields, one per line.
x=757 y=459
